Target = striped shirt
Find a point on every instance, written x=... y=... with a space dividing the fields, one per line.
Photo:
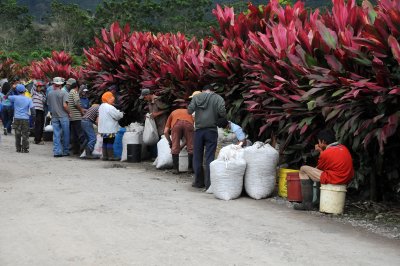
x=73 y=100
x=92 y=113
x=38 y=99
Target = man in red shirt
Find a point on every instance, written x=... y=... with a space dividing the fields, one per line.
x=335 y=166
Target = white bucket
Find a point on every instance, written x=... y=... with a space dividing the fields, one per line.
x=332 y=198
x=183 y=161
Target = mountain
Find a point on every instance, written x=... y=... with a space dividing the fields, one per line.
x=39 y=8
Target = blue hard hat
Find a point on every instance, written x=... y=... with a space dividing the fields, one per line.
x=20 y=88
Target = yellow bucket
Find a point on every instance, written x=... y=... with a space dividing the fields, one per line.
x=282 y=185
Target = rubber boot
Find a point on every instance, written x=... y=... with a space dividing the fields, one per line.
x=175 y=163
x=307 y=193
x=315 y=202
x=105 y=154
x=190 y=163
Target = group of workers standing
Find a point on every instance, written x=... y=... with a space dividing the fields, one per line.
x=195 y=123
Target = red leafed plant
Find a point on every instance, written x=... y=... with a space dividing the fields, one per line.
x=169 y=64
x=9 y=69
x=58 y=65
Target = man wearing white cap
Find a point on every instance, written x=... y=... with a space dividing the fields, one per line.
x=57 y=101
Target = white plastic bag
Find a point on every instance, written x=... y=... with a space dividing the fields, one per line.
x=48 y=128
x=98 y=147
x=133 y=135
x=150 y=133
x=227 y=173
x=259 y=179
x=164 y=159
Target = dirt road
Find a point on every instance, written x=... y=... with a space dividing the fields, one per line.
x=66 y=211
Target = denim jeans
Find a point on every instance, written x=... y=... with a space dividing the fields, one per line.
x=7 y=116
x=60 y=135
x=87 y=127
x=204 y=138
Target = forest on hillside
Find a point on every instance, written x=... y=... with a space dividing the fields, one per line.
x=31 y=29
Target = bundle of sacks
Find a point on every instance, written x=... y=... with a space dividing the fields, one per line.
x=259 y=179
x=255 y=164
x=226 y=173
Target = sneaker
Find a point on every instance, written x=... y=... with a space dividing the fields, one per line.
x=57 y=155
x=18 y=150
x=5 y=131
x=25 y=151
x=65 y=155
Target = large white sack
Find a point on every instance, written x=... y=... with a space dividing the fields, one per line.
x=132 y=135
x=226 y=173
x=150 y=133
x=164 y=159
x=231 y=152
x=259 y=179
x=130 y=138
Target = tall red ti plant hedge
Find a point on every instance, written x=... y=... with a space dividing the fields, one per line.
x=58 y=65
x=338 y=70
x=169 y=64
x=9 y=69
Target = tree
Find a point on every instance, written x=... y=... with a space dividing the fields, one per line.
x=70 y=28
x=15 y=26
x=186 y=16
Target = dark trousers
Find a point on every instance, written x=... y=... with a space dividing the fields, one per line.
x=7 y=116
x=39 y=124
x=78 y=138
x=21 y=127
x=204 y=138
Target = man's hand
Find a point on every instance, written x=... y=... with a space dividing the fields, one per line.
x=318 y=148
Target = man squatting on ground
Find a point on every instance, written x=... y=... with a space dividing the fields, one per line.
x=335 y=166
x=208 y=106
x=22 y=106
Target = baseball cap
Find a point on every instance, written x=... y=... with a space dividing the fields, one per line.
x=194 y=93
x=71 y=81
x=144 y=93
x=20 y=88
x=58 y=80
x=40 y=83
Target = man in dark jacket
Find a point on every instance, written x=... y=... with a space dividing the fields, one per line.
x=208 y=107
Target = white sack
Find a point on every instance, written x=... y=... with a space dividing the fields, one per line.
x=150 y=133
x=164 y=159
x=259 y=179
x=98 y=147
x=48 y=128
x=130 y=138
x=226 y=173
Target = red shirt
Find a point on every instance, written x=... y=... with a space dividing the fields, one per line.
x=336 y=164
